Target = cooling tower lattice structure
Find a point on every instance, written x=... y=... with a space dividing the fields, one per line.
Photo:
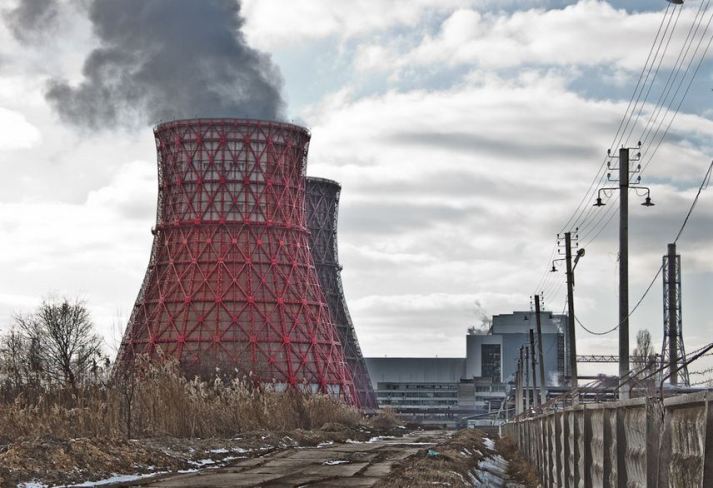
x=231 y=283
x=322 y=213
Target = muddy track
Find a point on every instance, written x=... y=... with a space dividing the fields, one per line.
x=344 y=465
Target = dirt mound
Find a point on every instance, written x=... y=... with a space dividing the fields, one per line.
x=74 y=460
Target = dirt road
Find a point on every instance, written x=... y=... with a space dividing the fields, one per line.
x=342 y=465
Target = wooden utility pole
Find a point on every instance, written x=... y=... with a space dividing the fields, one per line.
x=540 y=356
x=570 y=306
x=536 y=397
x=623 y=272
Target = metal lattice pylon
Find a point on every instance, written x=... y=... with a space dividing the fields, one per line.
x=672 y=316
x=322 y=204
x=231 y=284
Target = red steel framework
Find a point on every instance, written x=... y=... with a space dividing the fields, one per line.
x=231 y=285
x=322 y=217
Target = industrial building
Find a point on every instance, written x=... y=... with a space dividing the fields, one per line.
x=450 y=390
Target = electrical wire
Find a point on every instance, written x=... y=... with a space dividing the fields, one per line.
x=606 y=217
x=582 y=222
x=683 y=97
x=703 y=185
x=646 y=71
x=673 y=75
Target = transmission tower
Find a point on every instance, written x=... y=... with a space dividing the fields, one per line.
x=673 y=352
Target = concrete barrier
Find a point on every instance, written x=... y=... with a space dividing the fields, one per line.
x=638 y=443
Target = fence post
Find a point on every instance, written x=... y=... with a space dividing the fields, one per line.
x=587 y=413
x=606 y=448
x=559 y=449
x=653 y=436
x=567 y=448
x=549 y=450
x=621 y=475
x=576 y=438
x=708 y=449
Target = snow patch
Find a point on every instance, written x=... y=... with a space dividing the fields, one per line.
x=116 y=478
x=202 y=462
x=334 y=462
x=381 y=438
x=491 y=472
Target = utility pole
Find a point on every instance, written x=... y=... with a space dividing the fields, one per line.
x=518 y=386
x=624 y=271
x=672 y=315
x=540 y=356
x=536 y=397
x=527 y=378
x=624 y=177
x=570 y=306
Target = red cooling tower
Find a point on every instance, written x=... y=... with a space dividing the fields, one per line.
x=231 y=284
x=322 y=213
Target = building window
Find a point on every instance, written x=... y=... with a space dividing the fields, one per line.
x=490 y=367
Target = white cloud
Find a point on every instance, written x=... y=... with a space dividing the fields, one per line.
x=588 y=33
x=96 y=250
x=16 y=132
x=273 y=23
x=456 y=194
x=452 y=190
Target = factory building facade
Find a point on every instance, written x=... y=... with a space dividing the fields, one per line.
x=450 y=390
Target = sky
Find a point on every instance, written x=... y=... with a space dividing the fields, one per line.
x=464 y=134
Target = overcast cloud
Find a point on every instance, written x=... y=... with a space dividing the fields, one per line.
x=464 y=134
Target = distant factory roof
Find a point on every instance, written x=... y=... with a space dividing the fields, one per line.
x=415 y=370
x=522 y=322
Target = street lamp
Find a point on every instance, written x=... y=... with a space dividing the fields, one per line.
x=625 y=177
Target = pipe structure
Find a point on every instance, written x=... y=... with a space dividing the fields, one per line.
x=231 y=285
x=322 y=204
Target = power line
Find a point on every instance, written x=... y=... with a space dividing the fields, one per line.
x=625 y=117
x=591 y=230
x=673 y=75
x=581 y=222
x=581 y=212
x=703 y=185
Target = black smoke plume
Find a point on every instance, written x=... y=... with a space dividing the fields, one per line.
x=168 y=59
x=31 y=19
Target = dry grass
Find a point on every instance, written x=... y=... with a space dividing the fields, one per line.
x=519 y=469
x=164 y=403
x=385 y=420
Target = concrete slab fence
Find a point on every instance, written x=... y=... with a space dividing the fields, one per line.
x=638 y=443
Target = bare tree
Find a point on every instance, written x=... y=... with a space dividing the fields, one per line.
x=13 y=359
x=644 y=357
x=63 y=345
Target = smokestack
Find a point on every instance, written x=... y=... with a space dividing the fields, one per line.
x=231 y=283
x=322 y=213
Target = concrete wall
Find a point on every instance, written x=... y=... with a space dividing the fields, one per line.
x=639 y=443
x=415 y=370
